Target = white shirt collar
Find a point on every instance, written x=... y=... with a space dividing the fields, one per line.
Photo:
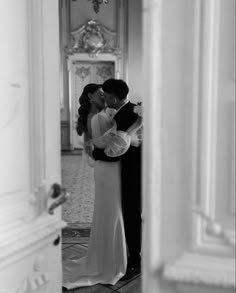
x=122 y=106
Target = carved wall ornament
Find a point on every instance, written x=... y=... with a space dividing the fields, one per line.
x=105 y=72
x=93 y=38
x=82 y=72
x=96 y=4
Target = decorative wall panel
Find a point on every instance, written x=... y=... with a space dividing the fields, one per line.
x=93 y=38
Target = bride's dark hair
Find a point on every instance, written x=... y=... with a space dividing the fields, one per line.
x=84 y=108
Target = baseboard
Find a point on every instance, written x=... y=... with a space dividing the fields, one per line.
x=72 y=152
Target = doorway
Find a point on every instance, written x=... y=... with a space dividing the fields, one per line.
x=82 y=73
x=83 y=70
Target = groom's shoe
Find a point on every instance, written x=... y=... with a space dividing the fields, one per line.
x=131 y=273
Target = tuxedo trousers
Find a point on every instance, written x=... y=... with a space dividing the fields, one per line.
x=131 y=202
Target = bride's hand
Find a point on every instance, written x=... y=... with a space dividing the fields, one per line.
x=88 y=148
x=136 y=139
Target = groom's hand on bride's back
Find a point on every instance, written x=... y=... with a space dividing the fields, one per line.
x=99 y=155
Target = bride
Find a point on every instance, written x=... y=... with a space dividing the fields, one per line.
x=106 y=258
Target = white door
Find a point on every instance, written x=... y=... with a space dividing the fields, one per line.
x=30 y=251
x=80 y=74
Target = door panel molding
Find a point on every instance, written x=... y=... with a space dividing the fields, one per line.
x=27 y=237
x=36 y=93
x=207 y=50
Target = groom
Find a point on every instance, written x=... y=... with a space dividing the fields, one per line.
x=116 y=91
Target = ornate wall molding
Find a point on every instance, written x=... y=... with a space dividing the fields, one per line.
x=202 y=270
x=20 y=241
x=93 y=38
x=207 y=48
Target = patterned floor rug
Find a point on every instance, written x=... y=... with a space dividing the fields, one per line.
x=76 y=233
x=77 y=178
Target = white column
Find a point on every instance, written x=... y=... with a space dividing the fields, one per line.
x=152 y=75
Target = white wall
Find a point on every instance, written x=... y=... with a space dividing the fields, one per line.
x=134 y=62
x=177 y=123
x=225 y=175
x=168 y=84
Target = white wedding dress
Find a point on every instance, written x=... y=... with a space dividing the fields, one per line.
x=106 y=258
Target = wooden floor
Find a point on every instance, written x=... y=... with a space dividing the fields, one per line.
x=131 y=286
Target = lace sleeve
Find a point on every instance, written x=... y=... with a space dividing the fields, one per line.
x=118 y=144
x=136 y=132
x=115 y=143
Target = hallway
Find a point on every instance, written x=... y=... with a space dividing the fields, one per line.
x=77 y=178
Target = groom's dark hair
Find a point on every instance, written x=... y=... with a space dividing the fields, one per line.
x=117 y=87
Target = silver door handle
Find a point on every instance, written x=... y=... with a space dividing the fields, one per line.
x=59 y=194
